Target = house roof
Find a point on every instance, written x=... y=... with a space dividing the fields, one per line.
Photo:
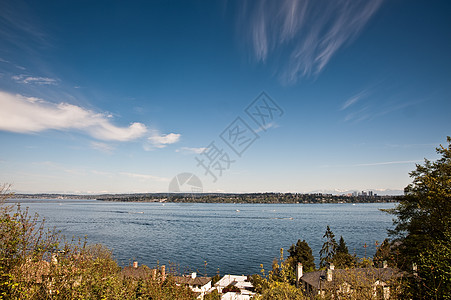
x=236 y=280
x=357 y=276
x=192 y=281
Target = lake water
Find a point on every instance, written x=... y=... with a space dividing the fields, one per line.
x=236 y=238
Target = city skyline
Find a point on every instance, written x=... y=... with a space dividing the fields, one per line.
x=286 y=96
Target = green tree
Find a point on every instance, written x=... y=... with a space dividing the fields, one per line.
x=422 y=225
x=213 y=296
x=281 y=291
x=385 y=252
x=342 y=259
x=279 y=283
x=342 y=248
x=327 y=252
x=301 y=252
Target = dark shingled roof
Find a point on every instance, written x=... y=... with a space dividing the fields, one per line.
x=191 y=281
x=318 y=279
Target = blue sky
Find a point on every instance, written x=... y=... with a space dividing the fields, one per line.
x=116 y=97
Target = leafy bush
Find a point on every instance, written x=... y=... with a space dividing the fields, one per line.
x=36 y=263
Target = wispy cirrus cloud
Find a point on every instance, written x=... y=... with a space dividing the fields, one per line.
x=354 y=99
x=388 y=163
x=103 y=147
x=30 y=115
x=19 y=27
x=372 y=164
x=125 y=175
x=266 y=127
x=359 y=115
x=27 y=79
x=144 y=176
x=191 y=150
x=308 y=32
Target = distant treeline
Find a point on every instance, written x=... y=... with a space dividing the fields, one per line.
x=221 y=198
x=249 y=198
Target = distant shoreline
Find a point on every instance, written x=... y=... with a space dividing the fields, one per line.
x=250 y=198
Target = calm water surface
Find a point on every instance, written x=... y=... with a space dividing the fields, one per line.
x=236 y=238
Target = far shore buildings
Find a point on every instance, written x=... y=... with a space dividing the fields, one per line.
x=373 y=283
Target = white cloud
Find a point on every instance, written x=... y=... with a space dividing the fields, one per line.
x=191 y=150
x=308 y=32
x=34 y=80
x=158 y=140
x=29 y=115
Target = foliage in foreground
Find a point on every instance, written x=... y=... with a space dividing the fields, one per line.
x=279 y=283
x=422 y=233
x=39 y=264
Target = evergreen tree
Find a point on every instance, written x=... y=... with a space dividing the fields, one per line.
x=329 y=248
x=385 y=253
x=301 y=252
x=342 y=248
x=342 y=259
x=423 y=226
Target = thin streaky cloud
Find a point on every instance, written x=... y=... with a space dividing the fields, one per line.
x=266 y=127
x=26 y=79
x=191 y=150
x=359 y=115
x=139 y=176
x=144 y=176
x=102 y=147
x=388 y=163
x=354 y=99
x=412 y=145
x=308 y=31
x=18 y=22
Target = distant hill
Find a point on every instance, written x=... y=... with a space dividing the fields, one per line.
x=224 y=197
